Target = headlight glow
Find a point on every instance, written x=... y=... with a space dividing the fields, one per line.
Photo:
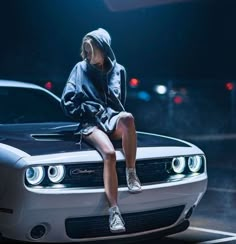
x=195 y=163
x=178 y=164
x=35 y=175
x=56 y=173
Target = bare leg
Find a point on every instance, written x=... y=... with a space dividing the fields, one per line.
x=102 y=143
x=125 y=130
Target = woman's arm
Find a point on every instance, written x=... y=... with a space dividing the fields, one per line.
x=74 y=102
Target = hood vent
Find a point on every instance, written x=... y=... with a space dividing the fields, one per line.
x=55 y=137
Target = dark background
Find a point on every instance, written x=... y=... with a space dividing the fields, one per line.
x=187 y=45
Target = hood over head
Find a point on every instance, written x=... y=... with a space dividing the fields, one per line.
x=103 y=39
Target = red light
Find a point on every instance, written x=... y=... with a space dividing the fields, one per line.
x=178 y=99
x=134 y=82
x=48 y=85
x=229 y=86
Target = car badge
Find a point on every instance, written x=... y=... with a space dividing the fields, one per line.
x=81 y=171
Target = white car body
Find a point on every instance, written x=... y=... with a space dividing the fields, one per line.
x=79 y=213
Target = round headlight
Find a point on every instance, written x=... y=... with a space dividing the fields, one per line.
x=195 y=163
x=56 y=173
x=35 y=175
x=178 y=165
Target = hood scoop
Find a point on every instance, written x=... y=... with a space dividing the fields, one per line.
x=56 y=137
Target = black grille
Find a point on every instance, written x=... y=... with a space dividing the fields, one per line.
x=91 y=174
x=97 y=226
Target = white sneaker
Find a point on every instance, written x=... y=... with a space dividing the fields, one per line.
x=116 y=222
x=133 y=181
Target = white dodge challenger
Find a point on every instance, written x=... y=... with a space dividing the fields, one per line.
x=51 y=187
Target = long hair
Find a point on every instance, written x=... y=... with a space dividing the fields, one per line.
x=86 y=46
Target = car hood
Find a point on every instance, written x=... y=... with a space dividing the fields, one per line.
x=50 y=138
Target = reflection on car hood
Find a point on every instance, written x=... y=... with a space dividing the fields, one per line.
x=48 y=138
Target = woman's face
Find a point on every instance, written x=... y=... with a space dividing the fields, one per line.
x=94 y=54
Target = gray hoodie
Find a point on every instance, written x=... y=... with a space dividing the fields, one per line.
x=91 y=96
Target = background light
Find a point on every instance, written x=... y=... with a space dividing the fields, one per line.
x=160 y=89
x=229 y=86
x=178 y=99
x=48 y=85
x=143 y=95
x=134 y=82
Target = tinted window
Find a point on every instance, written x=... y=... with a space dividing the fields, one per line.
x=25 y=105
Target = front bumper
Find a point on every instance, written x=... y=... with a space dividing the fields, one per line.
x=72 y=215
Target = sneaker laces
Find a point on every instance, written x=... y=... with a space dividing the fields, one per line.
x=116 y=219
x=132 y=178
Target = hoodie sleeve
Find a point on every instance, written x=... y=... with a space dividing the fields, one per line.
x=74 y=102
x=123 y=86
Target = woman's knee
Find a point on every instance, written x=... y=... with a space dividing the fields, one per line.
x=109 y=155
x=127 y=119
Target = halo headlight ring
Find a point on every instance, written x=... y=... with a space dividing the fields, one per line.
x=56 y=173
x=35 y=175
x=178 y=164
x=195 y=163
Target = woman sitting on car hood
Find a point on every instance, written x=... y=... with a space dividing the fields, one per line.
x=94 y=96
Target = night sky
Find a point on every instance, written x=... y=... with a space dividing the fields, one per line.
x=40 y=40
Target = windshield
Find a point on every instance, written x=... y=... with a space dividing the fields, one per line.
x=27 y=105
